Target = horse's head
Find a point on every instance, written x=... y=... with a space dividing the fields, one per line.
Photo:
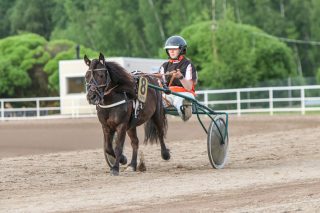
x=97 y=79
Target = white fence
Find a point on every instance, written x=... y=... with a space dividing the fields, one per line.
x=43 y=108
x=264 y=99
x=247 y=100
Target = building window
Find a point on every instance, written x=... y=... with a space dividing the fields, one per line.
x=76 y=85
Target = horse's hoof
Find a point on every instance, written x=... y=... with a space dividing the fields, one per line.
x=123 y=160
x=165 y=155
x=142 y=167
x=130 y=169
x=114 y=173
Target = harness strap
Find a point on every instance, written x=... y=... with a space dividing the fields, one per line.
x=167 y=102
x=135 y=107
x=112 y=105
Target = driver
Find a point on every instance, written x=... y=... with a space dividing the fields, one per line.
x=183 y=77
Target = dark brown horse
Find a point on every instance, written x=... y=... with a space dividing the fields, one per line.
x=112 y=89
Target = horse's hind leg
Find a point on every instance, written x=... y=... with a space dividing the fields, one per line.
x=132 y=133
x=160 y=122
x=165 y=153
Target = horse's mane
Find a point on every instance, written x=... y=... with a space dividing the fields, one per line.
x=122 y=78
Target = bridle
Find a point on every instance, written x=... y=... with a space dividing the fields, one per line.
x=93 y=85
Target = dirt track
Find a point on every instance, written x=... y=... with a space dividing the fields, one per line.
x=274 y=165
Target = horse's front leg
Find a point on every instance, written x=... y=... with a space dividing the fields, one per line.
x=109 y=141
x=121 y=132
x=108 y=138
x=132 y=133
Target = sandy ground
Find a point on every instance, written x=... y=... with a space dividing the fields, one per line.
x=58 y=166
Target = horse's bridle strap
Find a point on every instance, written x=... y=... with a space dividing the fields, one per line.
x=112 y=105
x=101 y=69
x=110 y=90
x=94 y=84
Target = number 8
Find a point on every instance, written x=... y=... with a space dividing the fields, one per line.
x=143 y=86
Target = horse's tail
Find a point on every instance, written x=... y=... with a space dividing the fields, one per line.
x=157 y=126
x=151 y=133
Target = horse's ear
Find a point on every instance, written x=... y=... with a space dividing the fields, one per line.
x=101 y=58
x=86 y=60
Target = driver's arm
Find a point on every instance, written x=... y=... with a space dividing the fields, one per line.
x=187 y=84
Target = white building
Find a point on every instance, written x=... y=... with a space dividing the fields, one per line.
x=72 y=83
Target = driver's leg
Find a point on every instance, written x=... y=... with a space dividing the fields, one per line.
x=180 y=103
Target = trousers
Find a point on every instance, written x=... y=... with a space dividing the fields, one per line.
x=177 y=101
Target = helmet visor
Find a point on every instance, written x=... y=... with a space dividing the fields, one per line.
x=171 y=47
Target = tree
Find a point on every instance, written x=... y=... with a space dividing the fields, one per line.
x=291 y=19
x=318 y=76
x=153 y=31
x=29 y=65
x=236 y=55
x=32 y=16
x=61 y=50
x=315 y=33
x=5 y=6
x=115 y=30
x=127 y=28
x=20 y=66
x=182 y=13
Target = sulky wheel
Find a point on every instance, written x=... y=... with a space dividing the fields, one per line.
x=217 y=148
x=109 y=158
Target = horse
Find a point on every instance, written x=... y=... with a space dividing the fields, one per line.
x=112 y=89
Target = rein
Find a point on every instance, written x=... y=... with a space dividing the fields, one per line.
x=94 y=86
x=157 y=75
